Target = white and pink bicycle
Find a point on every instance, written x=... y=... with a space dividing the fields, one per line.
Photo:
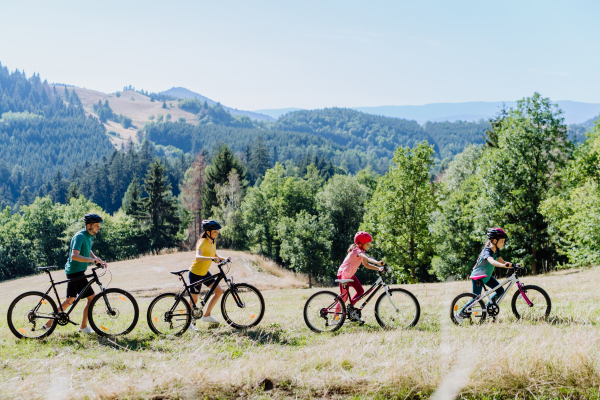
x=529 y=302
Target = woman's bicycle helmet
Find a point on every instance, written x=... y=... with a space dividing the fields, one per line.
x=496 y=233
x=92 y=218
x=210 y=225
x=362 y=238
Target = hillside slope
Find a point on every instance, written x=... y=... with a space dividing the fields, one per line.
x=133 y=105
x=148 y=276
x=183 y=93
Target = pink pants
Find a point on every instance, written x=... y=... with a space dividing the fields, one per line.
x=354 y=284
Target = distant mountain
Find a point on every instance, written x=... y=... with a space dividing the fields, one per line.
x=183 y=93
x=277 y=112
x=574 y=111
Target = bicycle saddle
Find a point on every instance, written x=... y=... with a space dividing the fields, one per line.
x=44 y=268
x=478 y=277
x=179 y=272
x=344 y=280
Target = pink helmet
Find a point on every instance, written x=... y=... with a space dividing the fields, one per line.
x=362 y=238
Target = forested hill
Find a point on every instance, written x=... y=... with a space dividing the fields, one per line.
x=382 y=135
x=43 y=129
x=355 y=129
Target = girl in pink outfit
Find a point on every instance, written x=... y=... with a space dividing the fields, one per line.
x=356 y=256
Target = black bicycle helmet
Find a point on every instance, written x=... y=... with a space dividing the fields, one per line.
x=92 y=218
x=496 y=233
x=210 y=225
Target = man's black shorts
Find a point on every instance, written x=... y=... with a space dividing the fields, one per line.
x=195 y=278
x=74 y=288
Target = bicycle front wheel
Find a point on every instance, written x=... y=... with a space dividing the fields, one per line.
x=243 y=306
x=29 y=312
x=323 y=312
x=169 y=315
x=539 y=305
x=460 y=316
x=113 y=312
x=399 y=309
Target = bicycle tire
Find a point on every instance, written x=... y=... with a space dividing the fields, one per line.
x=454 y=307
x=100 y=317
x=319 y=314
x=235 y=316
x=157 y=315
x=402 y=304
x=19 y=329
x=529 y=290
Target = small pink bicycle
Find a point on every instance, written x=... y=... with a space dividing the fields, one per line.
x=529 y=302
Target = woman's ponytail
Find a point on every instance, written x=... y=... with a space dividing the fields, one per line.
x=352 y=247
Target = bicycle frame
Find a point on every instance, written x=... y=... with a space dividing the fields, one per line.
x=218 y=278
x=79 y=296
x=378 y=284
x=510 y=280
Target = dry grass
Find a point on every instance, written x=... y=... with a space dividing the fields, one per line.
x=139 y=110
x=505 y=359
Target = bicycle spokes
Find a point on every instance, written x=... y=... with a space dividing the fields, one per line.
x=30 y=313
x=324 y=312
x=113 y=312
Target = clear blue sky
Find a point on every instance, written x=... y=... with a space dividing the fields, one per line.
x=312 y=54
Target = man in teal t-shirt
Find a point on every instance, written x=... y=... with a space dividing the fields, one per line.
x=80 y=255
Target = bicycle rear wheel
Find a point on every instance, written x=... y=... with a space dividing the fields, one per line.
x=169 y=315
x=475 y=315
x=113 y=312
x=243 y=306
x=540 y=304
x=400 y=309
x=29 y=312
x=323 y=312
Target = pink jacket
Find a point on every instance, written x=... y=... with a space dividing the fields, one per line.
x=350 y=264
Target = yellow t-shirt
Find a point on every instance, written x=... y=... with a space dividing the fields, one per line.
x=207 y=249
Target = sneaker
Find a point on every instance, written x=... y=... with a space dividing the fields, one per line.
x=459 y=320
x=192 y=328
x=87 y=329
x=210 y=319
x=334 y=321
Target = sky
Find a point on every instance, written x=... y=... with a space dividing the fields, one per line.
x=312 y=54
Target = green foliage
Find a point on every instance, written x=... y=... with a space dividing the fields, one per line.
x=217 y=173
x=341 y=201
x=228 y=211
x=521 y=172
x=399 y=213
x=42 y=131
x=451 y=138
x=573 y=214
x=306 y=243
x=455 y=227
x=161 y=208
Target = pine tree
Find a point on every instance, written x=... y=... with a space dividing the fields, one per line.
x=132 y=201
x=259 y=161
x=73 y=192
x=161 y=208
x=59 y=189
x=218 y=173
x=164 y=104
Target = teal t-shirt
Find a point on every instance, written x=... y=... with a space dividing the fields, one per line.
x=82 y=241
x=483 y=266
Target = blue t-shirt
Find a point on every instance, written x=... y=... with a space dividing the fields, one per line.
x=82 y=241
x=483 y=266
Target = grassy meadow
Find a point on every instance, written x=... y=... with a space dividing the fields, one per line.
x=283 y=358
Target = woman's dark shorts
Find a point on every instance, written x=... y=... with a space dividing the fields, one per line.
x=74 y=288
x=195 y=278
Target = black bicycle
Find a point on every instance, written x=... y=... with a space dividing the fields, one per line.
x=242 y=305
x=112 y=312
x=326 y=311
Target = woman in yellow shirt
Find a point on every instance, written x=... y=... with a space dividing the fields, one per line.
x=206 y=253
